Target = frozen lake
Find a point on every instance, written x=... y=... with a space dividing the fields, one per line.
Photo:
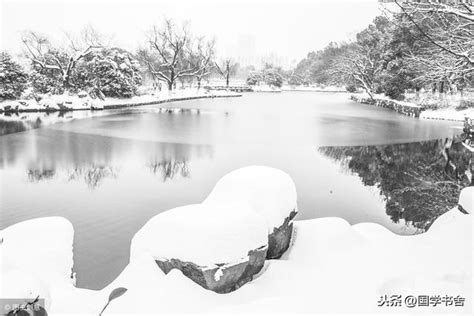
x=109 y=174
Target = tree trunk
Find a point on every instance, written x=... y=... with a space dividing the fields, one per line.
x=227 y=81
x=199 y=83
x=170 y=85
x=65 y=82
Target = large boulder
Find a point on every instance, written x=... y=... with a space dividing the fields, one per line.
x=270 y=192
x=220 y=247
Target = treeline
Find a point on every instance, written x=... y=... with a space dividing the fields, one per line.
x=169 y=54
x=424 y=44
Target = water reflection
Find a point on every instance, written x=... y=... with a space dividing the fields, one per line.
x=169 y=169
x=93 y=176
x=40 y=175
x=419 y=181
x=19 y=122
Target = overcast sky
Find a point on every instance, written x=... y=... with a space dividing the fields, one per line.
x=245 y=28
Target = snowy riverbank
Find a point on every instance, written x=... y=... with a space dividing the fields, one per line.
x=412 y=109
x=330 y=266
x=449 y=114
x=82 y=102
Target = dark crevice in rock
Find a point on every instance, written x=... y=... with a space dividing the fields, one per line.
x=279 y=240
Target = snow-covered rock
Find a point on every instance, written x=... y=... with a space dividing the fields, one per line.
x=36 y=255
x=329 y=261
x=270 y=192
x=220 y=247
x=28 y=105
x=66 y=102
x=466 y=200
x=9 y=106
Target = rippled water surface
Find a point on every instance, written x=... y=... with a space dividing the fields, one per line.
x=109 y=173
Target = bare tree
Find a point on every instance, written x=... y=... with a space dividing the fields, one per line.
x=202 y=58
x=357 y=66
x=43 y=55
x=168 y=54
x=226 y=69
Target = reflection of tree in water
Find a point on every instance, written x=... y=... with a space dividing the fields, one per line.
x=419 y=181
x=40 y=175
x=169 y=169
x=16 y=126
x=93 y=176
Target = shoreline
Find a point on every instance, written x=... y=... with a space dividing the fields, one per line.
x=405 y=108
x=313 y=90
x=128 y=105
x=414 y=110
x=116 y=105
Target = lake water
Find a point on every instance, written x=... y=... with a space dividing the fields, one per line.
x=109 y=173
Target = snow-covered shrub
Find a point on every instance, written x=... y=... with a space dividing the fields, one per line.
x=270 y=76
x=109 y=72
x=44 y=82
x=351 y=88
x=254 y=78
x=13 y=79
x=273 y=77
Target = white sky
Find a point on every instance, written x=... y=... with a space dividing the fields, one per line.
x=249 y=29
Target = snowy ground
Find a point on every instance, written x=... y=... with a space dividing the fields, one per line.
x=314 y=88
x=265 y=88
x=330 y=267
x=449 y=114
x=77 y=103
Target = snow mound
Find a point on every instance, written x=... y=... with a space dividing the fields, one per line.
x=21 y=284
x=42 y=247
x=269 y=191
x=328 y=260
x=202 y=234
x=36 y=256
x=466 y=199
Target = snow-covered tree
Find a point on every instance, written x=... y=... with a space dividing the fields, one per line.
x=273 y=76
x=363 y=62
x=13 y=79
x=254 y=78
x=57 y=64
x=168 y=53
x=447 y=28
x=270 y=75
